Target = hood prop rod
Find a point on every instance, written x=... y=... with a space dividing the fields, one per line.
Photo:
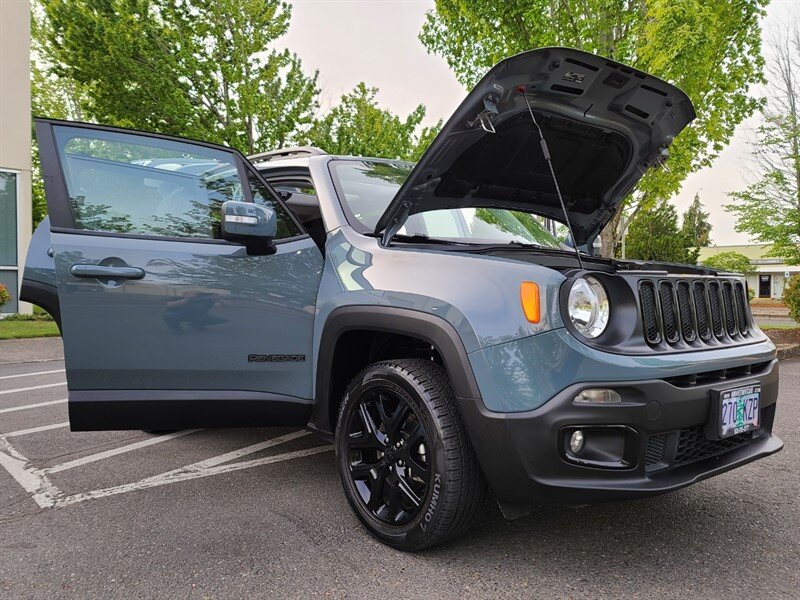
x=546 y=153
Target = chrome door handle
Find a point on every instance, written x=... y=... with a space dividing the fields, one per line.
x=104 y=272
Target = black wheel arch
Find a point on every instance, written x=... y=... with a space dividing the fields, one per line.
x=430 y=328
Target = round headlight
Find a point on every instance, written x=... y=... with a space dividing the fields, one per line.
x=587 y=306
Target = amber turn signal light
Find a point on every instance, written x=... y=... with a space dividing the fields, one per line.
x=529 y=296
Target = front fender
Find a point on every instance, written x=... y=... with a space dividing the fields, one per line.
x=389 y=319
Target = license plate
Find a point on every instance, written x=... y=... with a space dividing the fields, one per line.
x=739 y=410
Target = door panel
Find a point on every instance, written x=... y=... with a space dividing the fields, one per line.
x=194 y=318
x=164 y=324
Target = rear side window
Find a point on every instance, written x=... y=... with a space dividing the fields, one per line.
x=262 y=196
x=127 y=183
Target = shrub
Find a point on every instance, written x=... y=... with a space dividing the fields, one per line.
x=4 y=295
x=733 y=262
x=791 y=296
x=37 y=316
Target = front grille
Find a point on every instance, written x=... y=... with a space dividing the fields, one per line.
x=727 y=303
x=716 y=312
x=706 y=377
x=693 y=445
x=741 y=313
x=693 y=311
x=701 y=310
x=654 y=453
x=647 y=295
x=676 y=448
x=688 y=327
x=669 y=319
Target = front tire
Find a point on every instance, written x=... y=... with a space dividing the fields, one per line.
x=404 y=458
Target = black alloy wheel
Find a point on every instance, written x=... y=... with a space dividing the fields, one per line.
x=388 y=458
x=405 y=461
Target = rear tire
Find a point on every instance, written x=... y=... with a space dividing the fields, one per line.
x=406 y=464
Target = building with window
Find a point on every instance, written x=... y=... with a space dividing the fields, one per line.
x=770 y=275
x=15 y=146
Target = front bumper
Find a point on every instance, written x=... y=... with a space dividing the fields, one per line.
x=523 y=457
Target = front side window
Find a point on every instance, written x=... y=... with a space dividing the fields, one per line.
x=128 y=183
x=367 y=187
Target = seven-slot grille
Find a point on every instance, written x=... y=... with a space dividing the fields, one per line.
x=693 y=310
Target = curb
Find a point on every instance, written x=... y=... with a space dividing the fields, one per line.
x=786 y=351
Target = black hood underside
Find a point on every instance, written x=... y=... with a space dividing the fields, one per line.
x=605 y=125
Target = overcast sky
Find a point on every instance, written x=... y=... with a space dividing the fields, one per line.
x=375 y=41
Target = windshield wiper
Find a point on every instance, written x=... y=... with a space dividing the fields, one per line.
x=421 y=238
x=524 y=244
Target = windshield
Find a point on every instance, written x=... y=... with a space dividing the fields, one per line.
x=366 y=188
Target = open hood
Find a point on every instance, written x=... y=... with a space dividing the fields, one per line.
x=605 y=125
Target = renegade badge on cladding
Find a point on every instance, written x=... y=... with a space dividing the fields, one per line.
x=447 y=323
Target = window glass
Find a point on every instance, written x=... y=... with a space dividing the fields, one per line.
x=129 y=183
x=262 y=196
x=8 y=219
x=367 y=187
x=295 y=187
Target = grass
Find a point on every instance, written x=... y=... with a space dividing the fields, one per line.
x=15 y=330
x=780 y=326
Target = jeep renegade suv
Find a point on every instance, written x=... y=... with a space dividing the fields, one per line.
x=427 y=318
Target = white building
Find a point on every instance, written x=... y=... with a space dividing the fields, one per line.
x=15 y=146
x=770 y=274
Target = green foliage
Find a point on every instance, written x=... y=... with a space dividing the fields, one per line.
x=791 y=297
x=198 y=68
x=5 y=296
x=711 y=50
x=654 y=235
x=57 y=98
x=357 y=126
x=732 y=262
x=36 y=316
x=696 y=228
x=769 y=209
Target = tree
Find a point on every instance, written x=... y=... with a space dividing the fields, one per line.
x=769 y=209
x=711 y=50
x=197 y=68
x=52 y=97
x=695 y=228
x=358 y=126
x=791 y=296
x=653 y=234
x=731 y=262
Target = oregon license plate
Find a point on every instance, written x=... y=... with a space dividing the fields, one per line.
x=739 y=410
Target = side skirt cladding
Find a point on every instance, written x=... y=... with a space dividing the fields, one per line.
x=97 y=410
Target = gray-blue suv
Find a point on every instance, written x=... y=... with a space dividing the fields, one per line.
x=448 y=324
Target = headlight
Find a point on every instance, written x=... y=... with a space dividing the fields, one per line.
x=587 y=306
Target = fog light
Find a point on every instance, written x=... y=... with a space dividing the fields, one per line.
x=598 y=396
x=576 y=441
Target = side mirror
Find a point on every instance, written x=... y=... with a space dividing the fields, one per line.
x=251 y=224
x=284 y=194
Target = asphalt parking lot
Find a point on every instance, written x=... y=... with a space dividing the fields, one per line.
x=258 y=513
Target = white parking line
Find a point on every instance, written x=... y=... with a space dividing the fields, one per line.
x=85 y=460
x=27 y=406
x=46 y=495
x=171 y=477
x=35 y=429
x=233 y=455
x=35 y=387
x=32 y=480
x=32 y=374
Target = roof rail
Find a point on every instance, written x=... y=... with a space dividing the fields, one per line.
x=283 y=153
